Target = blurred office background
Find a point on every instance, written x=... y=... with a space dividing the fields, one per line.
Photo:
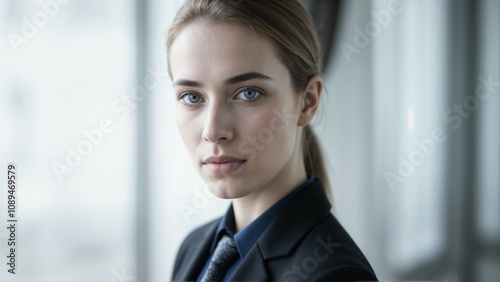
x=106 y=191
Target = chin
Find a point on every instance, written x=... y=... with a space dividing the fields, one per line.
x=227 y=186
x=227 y=190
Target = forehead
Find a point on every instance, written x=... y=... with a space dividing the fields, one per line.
x=201 y=49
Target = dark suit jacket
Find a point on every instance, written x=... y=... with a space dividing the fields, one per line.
x=303 y=243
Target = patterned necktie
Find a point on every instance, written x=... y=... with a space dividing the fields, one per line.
x=224 y=255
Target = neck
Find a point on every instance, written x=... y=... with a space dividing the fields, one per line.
x=250 y=207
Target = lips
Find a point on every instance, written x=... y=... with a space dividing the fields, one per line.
x=222 y=159
x=223 y=164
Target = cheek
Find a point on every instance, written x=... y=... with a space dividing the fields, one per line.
x=270 y=135
x=188 y=129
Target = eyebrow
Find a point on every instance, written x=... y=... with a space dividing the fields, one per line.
x=229 y=81
x=247 y=76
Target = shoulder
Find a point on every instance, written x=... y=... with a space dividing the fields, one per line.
x=200 y=235
x=327 y=253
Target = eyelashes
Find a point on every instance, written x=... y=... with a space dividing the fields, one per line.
x=247 y=95
x=188 y=98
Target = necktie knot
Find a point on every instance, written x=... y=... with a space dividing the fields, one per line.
x=224 y=255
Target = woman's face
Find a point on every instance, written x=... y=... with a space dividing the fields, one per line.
x=236 y=105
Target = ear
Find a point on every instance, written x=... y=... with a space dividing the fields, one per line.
x=310 y=100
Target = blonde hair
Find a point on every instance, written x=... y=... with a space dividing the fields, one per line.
x=285 y=23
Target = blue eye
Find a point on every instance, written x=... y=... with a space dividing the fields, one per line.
x=249 y=94
x=191 y=98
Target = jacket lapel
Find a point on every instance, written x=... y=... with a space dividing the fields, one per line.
x=252 y=267
x=294 y=222
x=285 y=232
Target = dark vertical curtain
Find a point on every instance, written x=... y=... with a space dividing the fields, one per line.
x=462 y=152
x=325 y=14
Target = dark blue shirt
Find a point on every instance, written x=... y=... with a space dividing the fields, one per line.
x=246 y=238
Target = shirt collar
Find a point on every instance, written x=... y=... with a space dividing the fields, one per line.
x=246 y=238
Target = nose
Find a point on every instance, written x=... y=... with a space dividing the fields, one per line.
x=218 y=124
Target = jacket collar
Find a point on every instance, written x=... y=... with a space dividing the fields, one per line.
x=285 y=232
x=306 y=211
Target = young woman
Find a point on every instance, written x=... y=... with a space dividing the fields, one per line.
x=246 y=76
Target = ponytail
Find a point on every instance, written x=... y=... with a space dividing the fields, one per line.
x=313 y=158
